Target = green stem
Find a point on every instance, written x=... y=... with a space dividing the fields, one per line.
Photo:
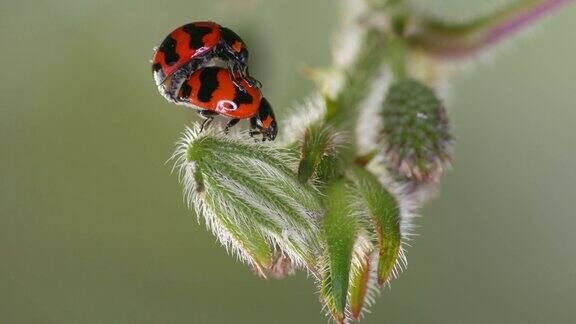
x=396 y=53
x=343 y=110
x=454 y=40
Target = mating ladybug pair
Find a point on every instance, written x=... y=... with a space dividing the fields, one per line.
x=184 y=74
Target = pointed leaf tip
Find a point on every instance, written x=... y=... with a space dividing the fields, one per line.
x=384 y=213
x=339 y=230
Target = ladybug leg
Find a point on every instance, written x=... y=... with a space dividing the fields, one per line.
x=205 y=123
x=254 y=132
x=240 y=73
x=236 y=74
x=264 y=122
x=170 y=87
x=208 y=117
x=255 y=129
x=251 y=81
x=231 y=124
x=238 y=85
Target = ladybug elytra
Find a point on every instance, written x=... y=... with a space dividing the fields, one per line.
x=192 y=46
x=214 y=91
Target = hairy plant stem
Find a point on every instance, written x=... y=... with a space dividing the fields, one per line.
x=342 y=111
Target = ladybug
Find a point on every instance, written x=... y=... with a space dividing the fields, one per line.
x=192 y=46
x=213 y=91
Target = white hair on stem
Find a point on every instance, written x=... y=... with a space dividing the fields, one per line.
x=300 y=117
x=347 y=42
x=369 y=120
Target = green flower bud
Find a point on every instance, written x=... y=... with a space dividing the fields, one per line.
x=416 y=132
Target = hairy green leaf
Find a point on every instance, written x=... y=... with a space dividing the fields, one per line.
x=360 y=286
x=250 y=198
x=319 y=155
x=384 y=212
x=339 y=233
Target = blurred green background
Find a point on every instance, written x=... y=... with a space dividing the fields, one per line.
x=93 y=228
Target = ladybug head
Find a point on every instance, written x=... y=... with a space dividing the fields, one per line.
x=235 y=47
x=265 y=121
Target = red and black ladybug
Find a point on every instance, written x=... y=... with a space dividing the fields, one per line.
x=192 y=46
x=214 y=91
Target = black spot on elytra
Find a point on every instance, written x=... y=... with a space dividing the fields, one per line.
x=168 y=47
x=186 y=90
x=208 y=84
x=229 y=36
x=265 y=109
x=242 y=97
x=196 y=34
